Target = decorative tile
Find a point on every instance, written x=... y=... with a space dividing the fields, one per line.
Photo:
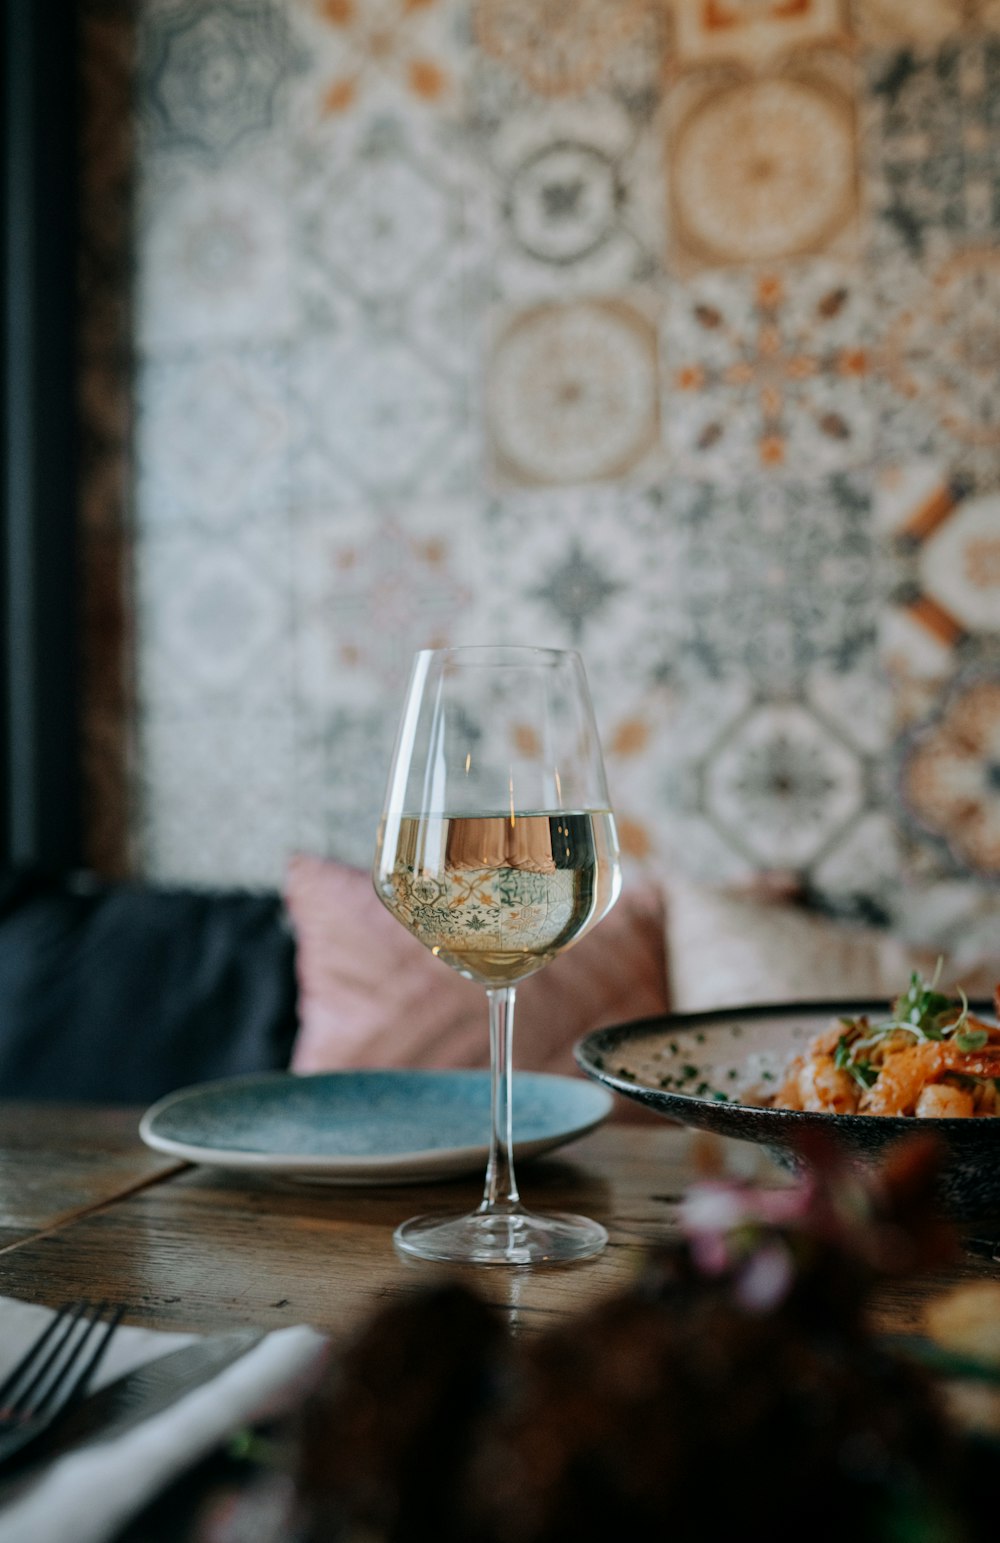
x=212 y=437
x=216 y=798
x=367 y=54
x=580 y=189
x=945 y=546
x=389 y=251
x=371 y=588
x=636 y=726
x=216 y=622
x=215 y=254
x=707 y=31
x=403 y=429
x=396 y=234
x=864 y=870
x=588 y=568
x=213 y=76
x=342 y=762
x=768 y=372
x=925 y=23
x=755 y=781
x=778 y=582
x=856 y=705
x=781 y=789
x=931 y=121
x=572 y=393
x=763 y=166
x=700 y=720
x=960 y=565
x=937 y=359
x=557 y=49
x=947 y=774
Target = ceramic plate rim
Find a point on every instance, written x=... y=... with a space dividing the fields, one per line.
x=668 y=1099
x=399 y=1167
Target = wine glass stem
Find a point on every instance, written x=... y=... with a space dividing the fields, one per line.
x=501 y=1193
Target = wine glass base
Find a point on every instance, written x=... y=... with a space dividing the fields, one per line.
x=501 y=1237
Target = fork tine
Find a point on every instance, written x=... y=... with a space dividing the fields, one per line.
x=35 y=1362
x=71 y=1386
x=57 y=1366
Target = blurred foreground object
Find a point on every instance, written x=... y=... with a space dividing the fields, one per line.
x=735 y=1381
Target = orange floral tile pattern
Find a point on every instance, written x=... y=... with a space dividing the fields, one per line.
x=763 y=166
x=573 y=393
x=948 y=774
x=382 y=39
x=558 y=47
x=945 y=538
x=768 y=373
x=709 y=31
x=926 y=23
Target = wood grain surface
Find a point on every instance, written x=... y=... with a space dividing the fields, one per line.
x=197 y=1248
x=59 y=1162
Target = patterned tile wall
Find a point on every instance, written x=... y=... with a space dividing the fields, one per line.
x=667 y=329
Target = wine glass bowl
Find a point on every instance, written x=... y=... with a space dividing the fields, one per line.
x=497 y=849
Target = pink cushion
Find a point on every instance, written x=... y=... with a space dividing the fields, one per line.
x=371 y=995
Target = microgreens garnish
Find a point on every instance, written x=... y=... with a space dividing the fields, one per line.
x=923 y=1012
x=862 y=1071
x=971 y=1039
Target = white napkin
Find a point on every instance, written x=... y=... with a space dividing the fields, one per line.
x=89 y=1495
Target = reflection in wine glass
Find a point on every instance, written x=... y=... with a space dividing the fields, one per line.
x=497 y=849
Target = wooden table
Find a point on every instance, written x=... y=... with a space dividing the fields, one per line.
x=85 y=1208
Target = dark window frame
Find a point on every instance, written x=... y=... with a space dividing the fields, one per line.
x=40 y=782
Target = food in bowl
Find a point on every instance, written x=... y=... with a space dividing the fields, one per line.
x=930 y=1058
x=719 y=1071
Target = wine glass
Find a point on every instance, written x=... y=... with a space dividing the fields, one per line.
x=497 y=849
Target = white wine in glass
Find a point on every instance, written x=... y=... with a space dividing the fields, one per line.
x=497 y=849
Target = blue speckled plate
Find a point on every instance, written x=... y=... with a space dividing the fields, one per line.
x=366 y=1127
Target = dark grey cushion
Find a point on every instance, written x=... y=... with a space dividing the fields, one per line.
x=121 y=992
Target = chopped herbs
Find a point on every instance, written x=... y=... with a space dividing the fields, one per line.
x=923 y=1012
x=929 y=1057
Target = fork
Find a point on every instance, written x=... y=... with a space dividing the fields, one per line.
x=54 y=1371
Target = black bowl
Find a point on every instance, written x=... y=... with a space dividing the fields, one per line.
x=706 y=1069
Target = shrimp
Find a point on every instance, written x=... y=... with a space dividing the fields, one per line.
x=905 y=1075
x=789 y=1095
x=944 y=1101
x=827 y=1040
x=825 y=1088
